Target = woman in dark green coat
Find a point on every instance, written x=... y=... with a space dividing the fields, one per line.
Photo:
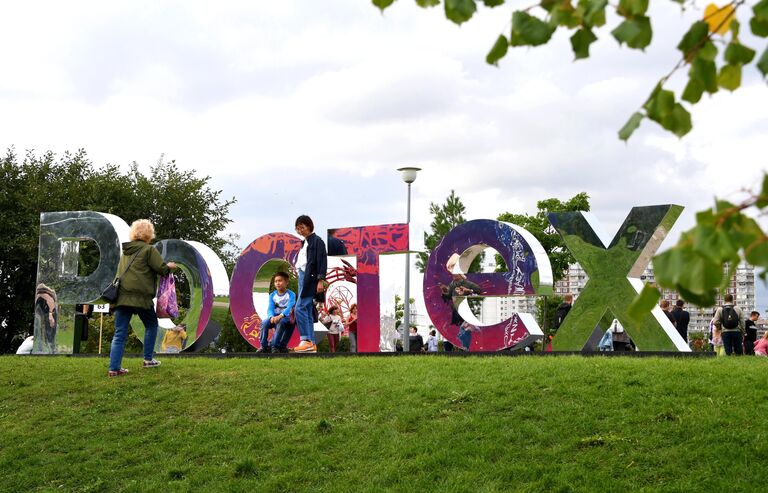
x=139 y=267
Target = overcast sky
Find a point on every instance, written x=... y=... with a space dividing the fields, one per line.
x=309 y=106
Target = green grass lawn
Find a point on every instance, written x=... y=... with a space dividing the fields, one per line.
x=408 y=423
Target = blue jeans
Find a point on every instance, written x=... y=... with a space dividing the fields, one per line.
x=123 y=316
x=465 y=337
x=283 y=333
x=732 y=343
x=303 y=311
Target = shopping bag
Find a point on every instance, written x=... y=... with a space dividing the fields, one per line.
x=167 y=306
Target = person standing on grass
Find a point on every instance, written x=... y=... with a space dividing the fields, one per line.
x=415 y=341
x=730 y=321
x=562 y=312
x=138 y=270
x=682 y=319
x=312 y=265
x=665 y=309
x=351 y=325
x=432 y=342
x=750 y=333
x=335 y=325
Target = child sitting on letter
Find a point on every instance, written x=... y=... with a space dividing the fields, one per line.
x=281 y=302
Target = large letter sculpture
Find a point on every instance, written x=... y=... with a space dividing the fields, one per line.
x=367 y=243
x=274 y=246
x=201 y=330
x=59 y=287
x=614 y=277
x=529 y=273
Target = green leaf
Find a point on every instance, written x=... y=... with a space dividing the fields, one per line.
x=460 y=11
x=729 y=77
x=660 y=104
x=529 y=30
x=762 y=200
x=761 y=10
x=643 y=303
x=693 y=39
x=661 y=108
x=693 y=91
x=757 y=253
x=705 y=72
x=708 y=51
x=735 y=28
x=679 y=122
x=594 y=12
x=632 y=8
x=724 y=206
x=745 y=231
x=427 y=3
x=498 y=51
x=715 y=243
x=383 y=4
x=629 y=128
x=762 y=64
x=490 y=3
x=706 y=218
x=759 y=27
x=683 y=269
x=563 y=14
x=580 y=42
x=635 y=32
x=737 y=53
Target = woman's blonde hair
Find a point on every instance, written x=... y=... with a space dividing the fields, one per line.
x=142 y=229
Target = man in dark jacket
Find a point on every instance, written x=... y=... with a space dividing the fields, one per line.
x=415 y=341
x=682 y=319
x=562 y=311
x=312 y=265
x=750 y=333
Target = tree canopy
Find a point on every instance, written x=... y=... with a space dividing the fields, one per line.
x=538 y=225
x=179 y=203
x=445 y=217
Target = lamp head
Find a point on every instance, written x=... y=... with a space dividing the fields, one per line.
x=408 y=174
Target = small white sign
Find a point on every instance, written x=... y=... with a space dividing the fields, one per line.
x=101 y=308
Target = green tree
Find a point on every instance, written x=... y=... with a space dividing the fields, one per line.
x=707 y=73
x=400 y=310
x=538 y=225
x=181 y=204
x=445 y=218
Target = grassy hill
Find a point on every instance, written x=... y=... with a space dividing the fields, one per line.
x=405 y=423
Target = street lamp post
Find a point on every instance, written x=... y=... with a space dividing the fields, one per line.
x=408 y=175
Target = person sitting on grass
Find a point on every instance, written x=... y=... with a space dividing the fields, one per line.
x=281 y=302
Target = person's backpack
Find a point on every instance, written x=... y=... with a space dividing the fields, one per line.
x=730 y=319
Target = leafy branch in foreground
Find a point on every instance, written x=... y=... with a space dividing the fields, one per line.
x=584 y=17
x=723 y=236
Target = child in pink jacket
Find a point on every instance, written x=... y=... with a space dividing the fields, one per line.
x=761 y=345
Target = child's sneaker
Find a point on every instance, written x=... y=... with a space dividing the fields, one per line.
x=305 y=347
x=117 y=373
x=151 y=364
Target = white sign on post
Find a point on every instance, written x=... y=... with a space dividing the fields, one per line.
x=101 y=308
